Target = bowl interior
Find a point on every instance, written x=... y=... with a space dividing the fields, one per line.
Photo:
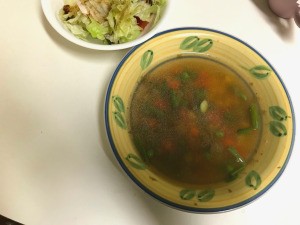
x=52 y=7
x=277 y=117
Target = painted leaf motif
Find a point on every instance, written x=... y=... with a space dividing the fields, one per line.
x=277 y=128
x=119 y=119
x=260 y=71
x=203 y=45
x=146 y=59
x=253 y=180
x=136 y=162
x=206 y=195
x=278 y=113
x=189 y=42
x=118 y=103
x=187 y=194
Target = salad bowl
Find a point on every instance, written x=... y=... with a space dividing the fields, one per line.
x=277 y=121
x=80 y=27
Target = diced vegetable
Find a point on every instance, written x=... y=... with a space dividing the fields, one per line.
x=219 y=134
x=203 y=106
x=244 y=130
x=254 y=115
x=237 y=156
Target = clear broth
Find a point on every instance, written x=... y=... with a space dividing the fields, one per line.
x=191 y=121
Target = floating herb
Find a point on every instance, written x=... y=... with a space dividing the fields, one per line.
x=278 y=113
x=234 y=168
x=147 y=154
x=219 y=134
x=237 y=156
x=154 y=111
x=146 y=59
x=176 y=98
x=239 y=93
x=253 y=180
x=233 y=172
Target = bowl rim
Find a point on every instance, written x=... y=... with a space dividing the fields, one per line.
x=156 y=196
x=58 y=27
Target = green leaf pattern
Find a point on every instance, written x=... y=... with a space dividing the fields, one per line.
x=119 y=119
x=202 y=195
x=260 y=71
x=120 y=111
x=146 y=59
x=189 y=42
x=253 y=180
x=278 y=113
x=118 y=103
x=206 y=195
x=187 y=194
x=203 y=45
x=196 y=44
x=277 y=126
x=136 y=162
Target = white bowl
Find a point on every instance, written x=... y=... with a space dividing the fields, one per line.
x=52 y=7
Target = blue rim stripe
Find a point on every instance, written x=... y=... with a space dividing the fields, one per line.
x=163 y=200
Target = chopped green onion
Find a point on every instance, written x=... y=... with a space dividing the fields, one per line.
x=244 y=130
x=219 y=134
x=254 y=115
x=238 y=157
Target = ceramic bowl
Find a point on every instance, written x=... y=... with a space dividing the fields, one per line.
x=52 y=7
x=278 y=125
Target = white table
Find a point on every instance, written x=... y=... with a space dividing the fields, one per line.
x=56 y=165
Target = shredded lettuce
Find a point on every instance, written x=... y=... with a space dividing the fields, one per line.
x=111 y=21
x=97 y=30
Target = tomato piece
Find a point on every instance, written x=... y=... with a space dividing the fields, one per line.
x=142 y=24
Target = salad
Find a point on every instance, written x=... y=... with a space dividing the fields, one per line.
x=110 y=21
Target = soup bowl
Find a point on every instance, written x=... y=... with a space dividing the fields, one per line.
x=273 y=117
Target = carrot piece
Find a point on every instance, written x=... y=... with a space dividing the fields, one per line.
x=152 y=123
x=173 y=84
x=202 y=80
x=161 y=104
x=167 y=146
x=194 y=132
x=229 y=141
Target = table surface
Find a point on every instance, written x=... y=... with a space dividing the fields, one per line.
x=56 y=165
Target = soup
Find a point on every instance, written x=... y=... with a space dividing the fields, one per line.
x=194 y=121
